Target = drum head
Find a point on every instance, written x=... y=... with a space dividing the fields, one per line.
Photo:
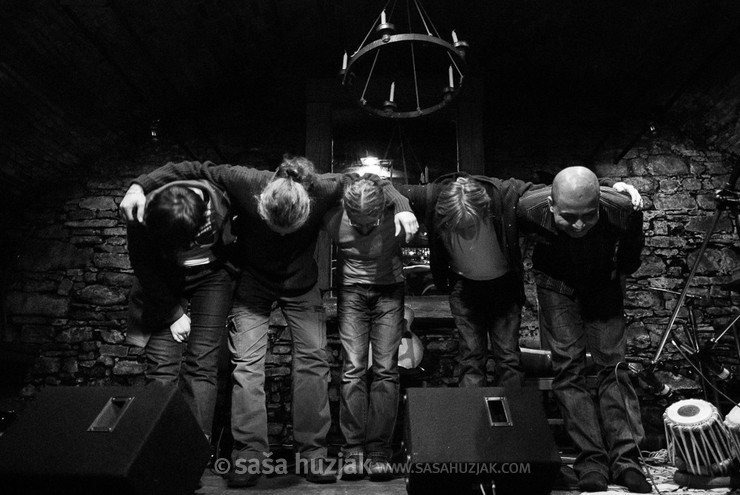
x=733 y=417
x=690 y=412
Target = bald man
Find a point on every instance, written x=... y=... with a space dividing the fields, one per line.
x=588 y=239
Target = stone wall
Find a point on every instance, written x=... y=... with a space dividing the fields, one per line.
x=67 y=275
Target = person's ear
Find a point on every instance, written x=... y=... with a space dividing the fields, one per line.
x=551 y=204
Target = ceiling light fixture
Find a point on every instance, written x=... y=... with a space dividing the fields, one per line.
x=403 y=68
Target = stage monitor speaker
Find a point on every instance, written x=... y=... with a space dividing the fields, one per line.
x=111 y=440
x=462 y=436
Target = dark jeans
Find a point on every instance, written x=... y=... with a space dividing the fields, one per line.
x=482 y=310
x=369 y=314
x=306 y=320
x=209 y=292
x=604 y=432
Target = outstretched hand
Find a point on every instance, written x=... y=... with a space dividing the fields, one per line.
x=132 y=204
x=407 y=221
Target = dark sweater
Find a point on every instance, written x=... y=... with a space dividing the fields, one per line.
x=281 y=262
x=566 y=264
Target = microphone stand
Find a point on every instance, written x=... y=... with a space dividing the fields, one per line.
x=727 y=199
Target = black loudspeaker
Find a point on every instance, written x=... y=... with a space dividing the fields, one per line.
x=111 y=440
x=457 y=438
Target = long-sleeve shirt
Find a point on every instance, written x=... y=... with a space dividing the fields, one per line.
x=284 y=262
x=566 y=264
x=504 y=196
x=374 y=258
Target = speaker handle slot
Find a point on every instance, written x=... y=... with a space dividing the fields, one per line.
x=110 y=414
x=499 y=413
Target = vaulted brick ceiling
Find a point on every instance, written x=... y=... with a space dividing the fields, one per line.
x=76 y=76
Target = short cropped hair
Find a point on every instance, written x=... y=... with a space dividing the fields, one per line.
x=174 y=216
x=459 y=202
x=284 y=203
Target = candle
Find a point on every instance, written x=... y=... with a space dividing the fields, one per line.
x=454 y=36
x=382 y=17
x=344 y=61
x=452 y=79
x=393 y=91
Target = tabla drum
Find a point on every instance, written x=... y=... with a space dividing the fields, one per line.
x=698 y=441
x=732 y=422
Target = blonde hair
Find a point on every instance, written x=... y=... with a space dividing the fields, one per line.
x=284 y=203
x=459 y=202
x=363 y=195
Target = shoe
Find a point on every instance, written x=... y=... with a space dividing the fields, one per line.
x=353 y=468
x=592 y=482
x=634 y=480
x=379 y=469
x=241 y=480
x=319 y=472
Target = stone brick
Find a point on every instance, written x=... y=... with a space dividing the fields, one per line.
x=65 y=287
x=75 y=335
x=277 y=371
x=679 y=201
x=115 y=279
x=278 y=359
x=101 y=295
x=113 y=350
x=106 y=260
x=91 y=224
x=112 y=336
x=125 y=367
x=667 y=165
x=651 y=266
x=69 y=365
x=116 y=231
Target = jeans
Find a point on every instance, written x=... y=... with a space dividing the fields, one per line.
x=370 y=314
x=306 y=319
x=482 y=310
x=604 y=432
x=209 y=291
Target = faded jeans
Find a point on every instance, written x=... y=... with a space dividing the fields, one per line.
x=370 y=314
x=482 y=310
x=209 y=292
x=603 y=432
x=306 y=320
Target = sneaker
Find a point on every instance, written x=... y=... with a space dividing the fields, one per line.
x=319 y=471
x=353 y=468
x=379 y=469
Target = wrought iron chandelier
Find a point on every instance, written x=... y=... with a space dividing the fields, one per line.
x=403 y=68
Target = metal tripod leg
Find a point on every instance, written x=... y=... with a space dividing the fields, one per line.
x=679 y=303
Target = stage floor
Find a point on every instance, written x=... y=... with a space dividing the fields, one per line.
x=291 y=484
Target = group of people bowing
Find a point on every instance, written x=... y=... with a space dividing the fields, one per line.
x=214 y=242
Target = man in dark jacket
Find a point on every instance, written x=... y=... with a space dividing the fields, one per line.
x=588 y=240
